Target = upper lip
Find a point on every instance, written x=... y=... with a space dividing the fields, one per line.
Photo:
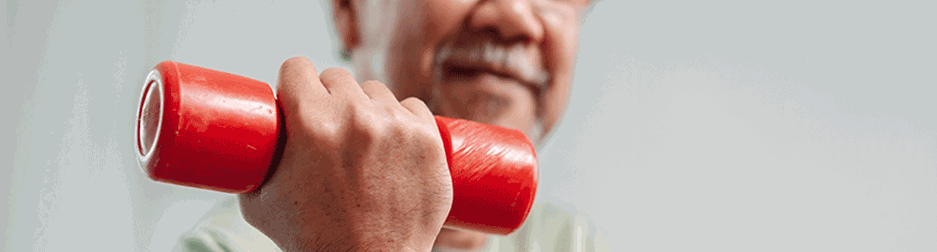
x=485 y=53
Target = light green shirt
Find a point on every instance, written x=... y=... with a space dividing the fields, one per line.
x=548 y=228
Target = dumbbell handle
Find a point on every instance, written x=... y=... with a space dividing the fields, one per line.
x=203 y=128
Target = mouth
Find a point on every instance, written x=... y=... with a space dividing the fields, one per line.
x=486 y=94
x=461 y=72
x=479 y=79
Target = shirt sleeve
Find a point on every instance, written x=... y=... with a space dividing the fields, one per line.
x=547 y=228
x=553 y=228
x=224 y=230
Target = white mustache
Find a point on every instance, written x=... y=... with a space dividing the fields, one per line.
x=486 y=55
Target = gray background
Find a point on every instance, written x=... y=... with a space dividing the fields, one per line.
x=693 y=125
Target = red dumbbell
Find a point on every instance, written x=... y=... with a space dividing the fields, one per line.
x=203 y=128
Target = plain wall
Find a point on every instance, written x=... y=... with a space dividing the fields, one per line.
x=692 y=125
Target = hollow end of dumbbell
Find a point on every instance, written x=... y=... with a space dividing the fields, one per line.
x=149 y=119
x=207 y=129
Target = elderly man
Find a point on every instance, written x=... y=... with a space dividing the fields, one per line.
x=363 y=170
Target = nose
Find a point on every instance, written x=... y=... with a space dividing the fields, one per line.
x=512 y=19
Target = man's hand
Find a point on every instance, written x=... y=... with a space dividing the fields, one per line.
x=360 y=170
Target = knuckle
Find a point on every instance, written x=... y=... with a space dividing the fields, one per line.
x=416 y=106
x=371 y=88
x=413 y=101
x=374 y=86
x=328 y=134
x=368 y=125
x=295 y=61
x=293 y=67
x=417 y=131
x=356 y=111
x=334 y=74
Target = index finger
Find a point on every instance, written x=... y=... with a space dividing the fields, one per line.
x=298 y=83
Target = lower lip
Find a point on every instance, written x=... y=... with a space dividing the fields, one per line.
x=484 y=96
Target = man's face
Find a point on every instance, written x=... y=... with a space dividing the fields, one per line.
x=501 y=62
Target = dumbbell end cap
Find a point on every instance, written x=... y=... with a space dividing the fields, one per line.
x=149 y=118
